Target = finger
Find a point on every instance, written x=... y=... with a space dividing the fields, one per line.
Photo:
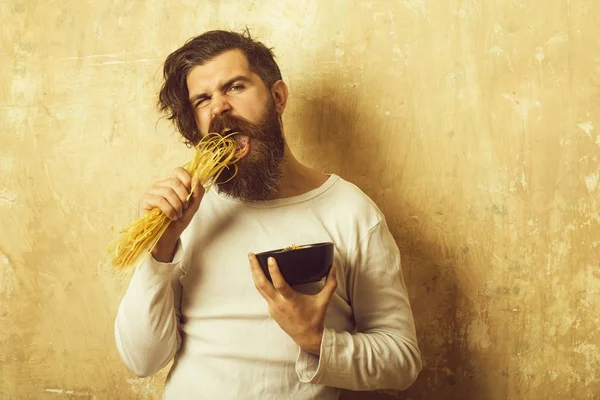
x=279 y=282
x=143 y=204
x=261 y=282
x=152 y=201
x=169 y=194
x=330 y=285
x=178 y=187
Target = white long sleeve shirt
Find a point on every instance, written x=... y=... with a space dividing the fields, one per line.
x=204 y=310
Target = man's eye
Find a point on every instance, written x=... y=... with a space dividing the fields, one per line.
x=201 y=102
x=236 y=88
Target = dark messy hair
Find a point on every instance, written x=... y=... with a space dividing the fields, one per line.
x=173 y=99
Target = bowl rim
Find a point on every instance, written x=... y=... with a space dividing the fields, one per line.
x=300 y=247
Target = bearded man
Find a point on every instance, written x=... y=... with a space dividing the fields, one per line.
x=201 y=298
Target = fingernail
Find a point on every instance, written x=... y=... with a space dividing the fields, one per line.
x=271 y=260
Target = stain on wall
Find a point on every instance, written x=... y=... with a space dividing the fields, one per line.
x=474 y=125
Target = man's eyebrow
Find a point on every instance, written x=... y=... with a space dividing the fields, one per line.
x=241 y=78
x=223 y=87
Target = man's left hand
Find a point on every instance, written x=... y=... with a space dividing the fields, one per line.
x=300 y=315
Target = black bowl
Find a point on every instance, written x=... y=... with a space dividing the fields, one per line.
x=304 y=264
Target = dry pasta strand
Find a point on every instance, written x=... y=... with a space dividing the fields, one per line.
x=212 y=155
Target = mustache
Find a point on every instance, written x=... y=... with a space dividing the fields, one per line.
x=224 y=124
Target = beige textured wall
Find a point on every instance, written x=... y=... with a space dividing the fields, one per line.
x=475 y=125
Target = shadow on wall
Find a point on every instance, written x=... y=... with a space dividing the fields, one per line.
x=336 y=135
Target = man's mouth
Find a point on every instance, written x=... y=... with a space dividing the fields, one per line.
x=243 y=144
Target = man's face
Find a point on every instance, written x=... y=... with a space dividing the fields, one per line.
x=226 y=95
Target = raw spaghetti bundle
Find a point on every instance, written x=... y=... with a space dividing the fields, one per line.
x=212 y=155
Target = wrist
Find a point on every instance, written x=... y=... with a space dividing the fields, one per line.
x=164 y=251
x=312 y=343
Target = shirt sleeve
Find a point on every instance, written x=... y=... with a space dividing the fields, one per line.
x=383 y=352
x=147 y=322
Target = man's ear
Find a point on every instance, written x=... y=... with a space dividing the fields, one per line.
x=279 y=91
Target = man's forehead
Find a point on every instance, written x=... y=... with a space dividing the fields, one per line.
x=221 y=67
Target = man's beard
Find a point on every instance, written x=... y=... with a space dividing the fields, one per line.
x=259 y=174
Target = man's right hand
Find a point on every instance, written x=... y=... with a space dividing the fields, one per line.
x=171 y=197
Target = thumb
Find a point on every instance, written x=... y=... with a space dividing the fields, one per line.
x=330 y=286
x=197 y=190
x=194 y=201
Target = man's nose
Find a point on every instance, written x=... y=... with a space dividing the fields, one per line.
x=219 y=106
